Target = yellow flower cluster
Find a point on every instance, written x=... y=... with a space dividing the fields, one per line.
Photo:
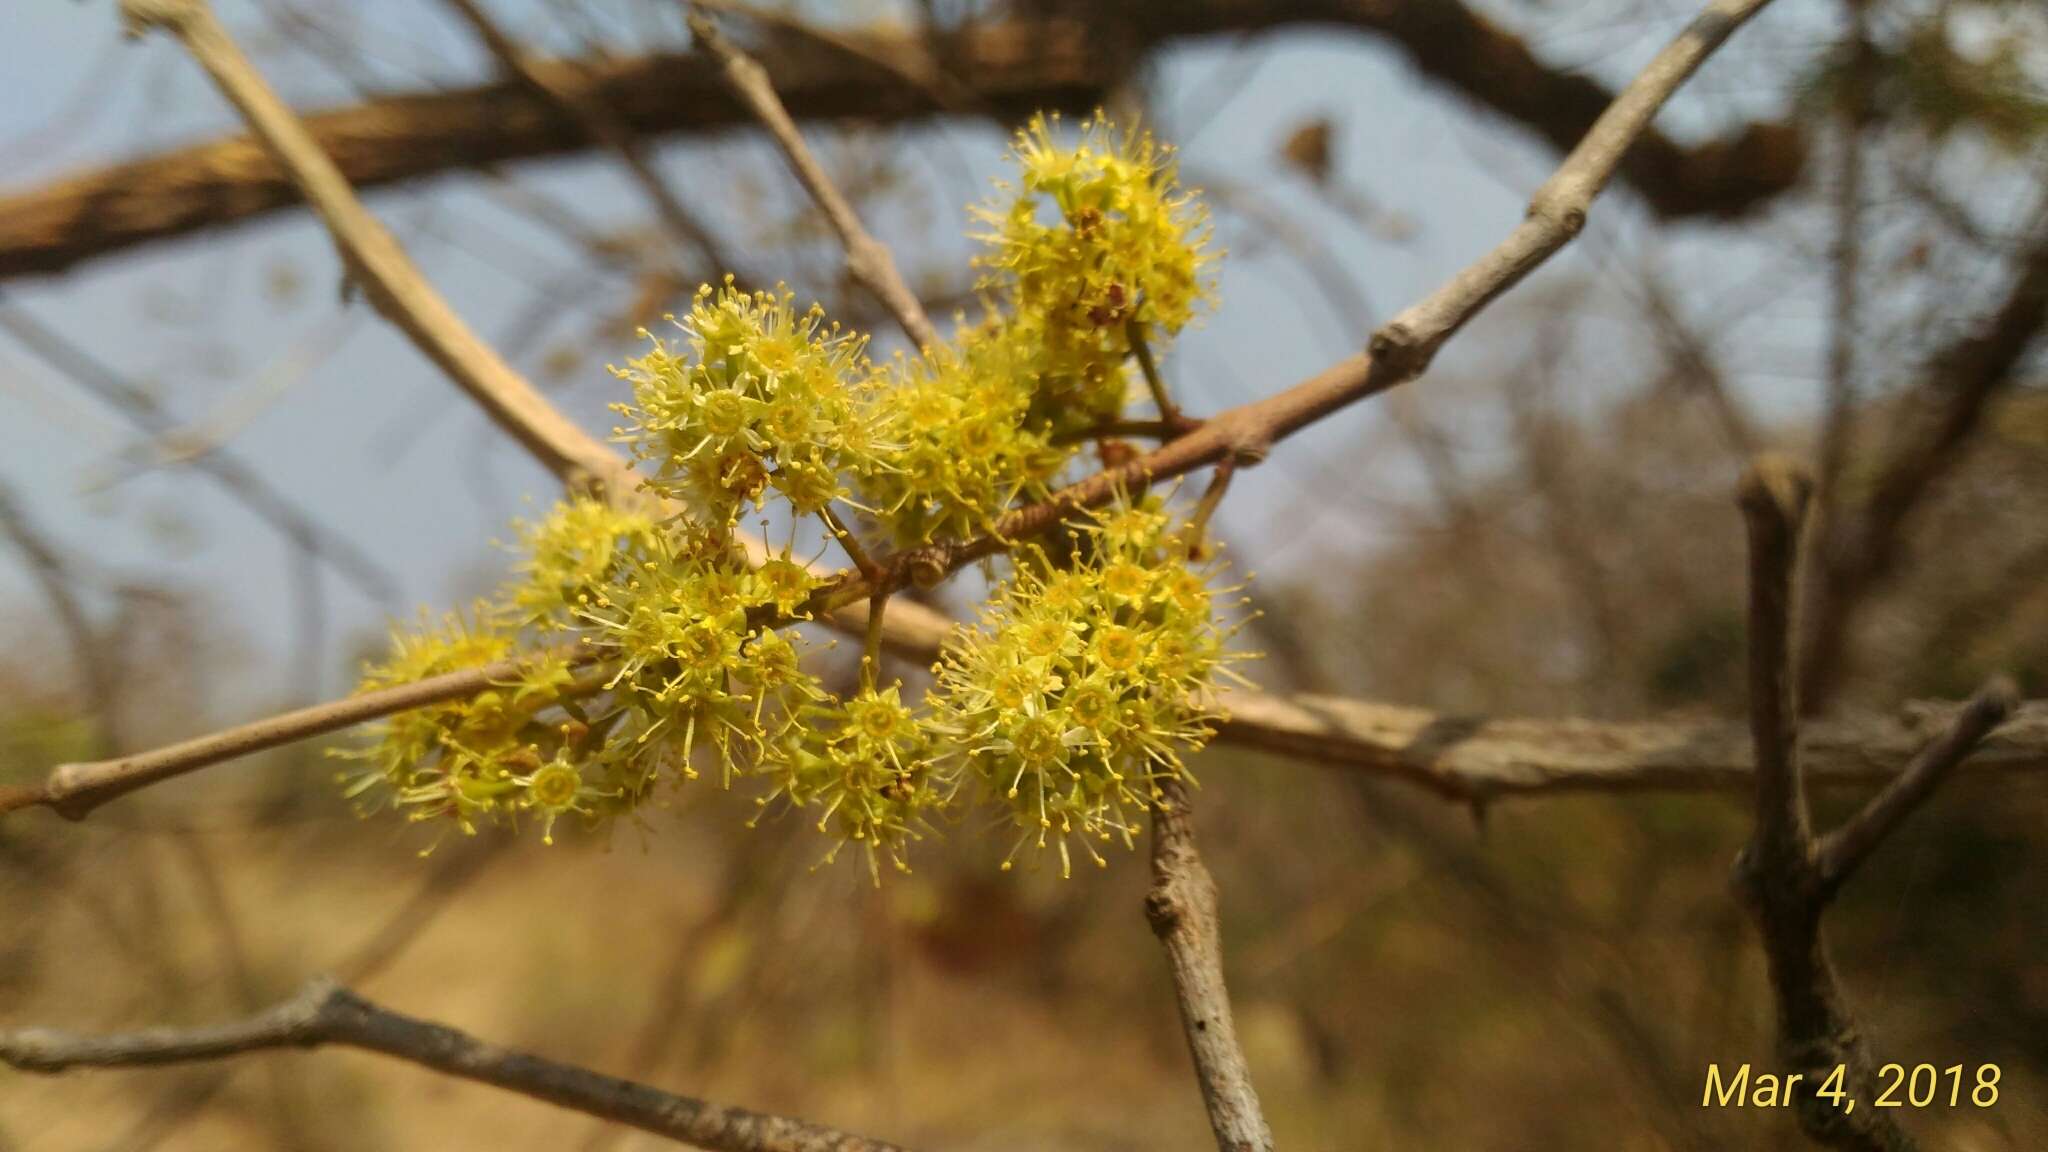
x=966 y=446
x=685 y=631
x=647 y=645
x=1072 y=698
x=1096 y=247
x=767 y=397
x=867 y=764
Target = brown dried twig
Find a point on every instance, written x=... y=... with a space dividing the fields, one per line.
x=867 y=260
x=375 y=261
x=326 y=1014
x=1785 y=876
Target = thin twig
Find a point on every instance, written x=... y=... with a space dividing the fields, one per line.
x=1116 y=429
x=867 y=259
x=871 y=645
x=1169 y=412
x=74 y=790
x=1181 y=908
x=850 y=543
x=1205 y=508
x=375 y=260
x=1842 y=851
x=324 y=1013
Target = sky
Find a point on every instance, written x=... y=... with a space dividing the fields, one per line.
x=222 y=326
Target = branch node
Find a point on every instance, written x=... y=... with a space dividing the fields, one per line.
x=139 y=17
x=1778 y=486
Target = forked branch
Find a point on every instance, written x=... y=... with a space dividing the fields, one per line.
x=324 y=1013
x=1785 y=876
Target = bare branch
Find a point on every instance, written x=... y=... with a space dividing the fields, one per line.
x=867 y=259
x=375 y=260
x=1842 y=851
x=1785 y=878
x=1774 y=497
x=1010 y=67
x=1461 y=758
x=324 y=1013
x=1775 y=875
x=74 y=790
x=1466 y=758
x=1181 y=908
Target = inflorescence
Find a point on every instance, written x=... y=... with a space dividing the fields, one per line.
x=654 y=651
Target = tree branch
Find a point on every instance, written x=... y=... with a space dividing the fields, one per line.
x=1468 y=758
x=1842 y=851
x=1457 y=757
x=374 y=259
x=1785 y=878
x=74 y=790
x=324 y=1013
x=1775 y=495
x=867 y=259
x=1011 y=68
x=1181 y=908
